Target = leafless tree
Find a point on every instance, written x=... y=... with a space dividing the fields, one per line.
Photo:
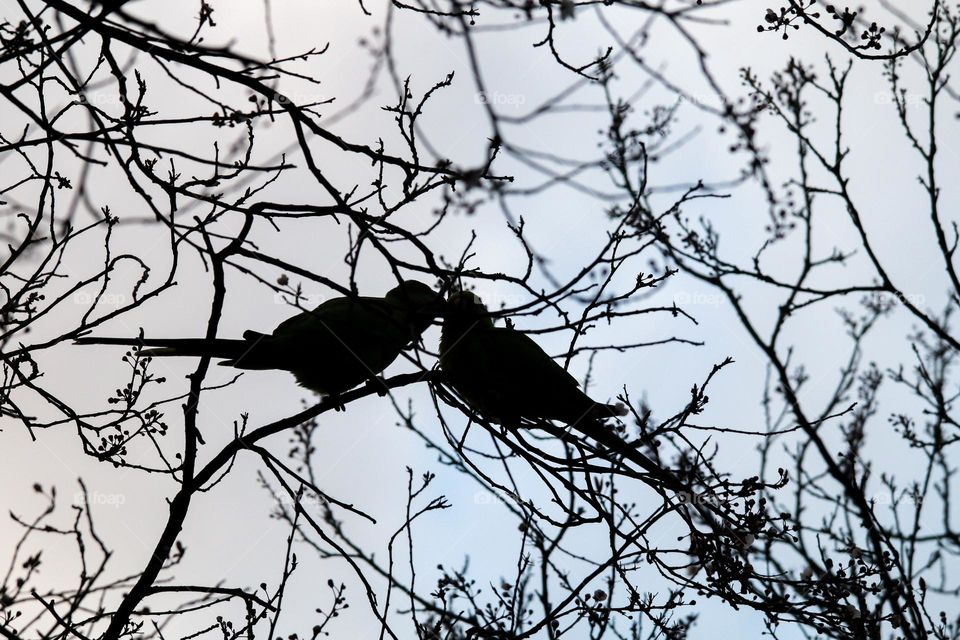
x=120 y=130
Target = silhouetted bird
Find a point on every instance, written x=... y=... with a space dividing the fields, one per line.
x=505 y=376
x=335 y=347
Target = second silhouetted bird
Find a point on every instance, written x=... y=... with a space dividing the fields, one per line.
x=505 y=376
x=340 y=344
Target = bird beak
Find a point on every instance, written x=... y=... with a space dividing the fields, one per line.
x=439 y=309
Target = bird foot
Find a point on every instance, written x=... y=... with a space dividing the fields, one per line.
x=336 y=400
x=379 y=385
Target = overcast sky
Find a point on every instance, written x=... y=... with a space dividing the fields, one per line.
x=362 y=453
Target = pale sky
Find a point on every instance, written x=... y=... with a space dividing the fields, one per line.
x=362 y=454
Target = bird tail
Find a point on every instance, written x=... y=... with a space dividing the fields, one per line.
x=602 y=411
x=605 y=436
x=593 y=415
x=195 y=347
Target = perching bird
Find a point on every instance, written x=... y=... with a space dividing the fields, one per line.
x=505 y=376
x=338 y=345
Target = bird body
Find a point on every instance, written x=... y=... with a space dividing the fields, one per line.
x=504 y=375
x=332 y=348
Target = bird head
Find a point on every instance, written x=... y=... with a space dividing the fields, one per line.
x=464 y=305
x=418 y=302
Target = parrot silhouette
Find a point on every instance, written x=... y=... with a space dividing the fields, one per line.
x=505 y=376
x=330 y=349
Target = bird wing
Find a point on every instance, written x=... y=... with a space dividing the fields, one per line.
x=505 y=375
x=334 y=312
x=527 y=362
x=339 y=344
x=536 y=386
